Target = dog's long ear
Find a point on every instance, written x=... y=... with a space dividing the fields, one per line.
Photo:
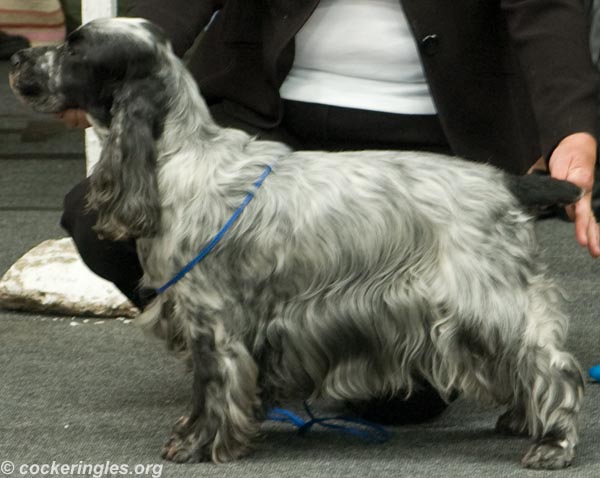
x=123 y=185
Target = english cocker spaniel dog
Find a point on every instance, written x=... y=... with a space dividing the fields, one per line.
x=345 y=276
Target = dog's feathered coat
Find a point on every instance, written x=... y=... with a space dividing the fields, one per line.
x=347 y=275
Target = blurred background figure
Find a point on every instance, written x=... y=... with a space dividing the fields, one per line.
x=29 y=22
x=10 y=44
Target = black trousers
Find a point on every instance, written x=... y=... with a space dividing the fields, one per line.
x=305 y=126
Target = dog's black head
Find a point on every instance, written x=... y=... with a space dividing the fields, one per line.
x=115 y=69
x=98 y=63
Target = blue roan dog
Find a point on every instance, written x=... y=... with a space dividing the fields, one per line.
x=347 y=275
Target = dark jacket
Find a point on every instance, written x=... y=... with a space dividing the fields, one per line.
x=510 y=78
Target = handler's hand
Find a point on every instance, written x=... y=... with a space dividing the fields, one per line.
x=573 y=160
x=74 y=119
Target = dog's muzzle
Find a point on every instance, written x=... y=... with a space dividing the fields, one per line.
x=31 y=80
x=22 y=80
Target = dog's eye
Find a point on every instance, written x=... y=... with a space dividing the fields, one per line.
x=71 y=47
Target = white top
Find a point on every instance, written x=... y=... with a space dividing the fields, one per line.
x=359 y=54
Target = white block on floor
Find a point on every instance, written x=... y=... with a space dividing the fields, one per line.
x=51 y=278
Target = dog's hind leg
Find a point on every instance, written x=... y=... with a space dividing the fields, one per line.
x=550 y=381
x=225 y=400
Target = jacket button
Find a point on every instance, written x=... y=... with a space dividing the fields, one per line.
x=430 y=44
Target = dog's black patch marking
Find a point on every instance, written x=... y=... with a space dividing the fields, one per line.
x=95 y=65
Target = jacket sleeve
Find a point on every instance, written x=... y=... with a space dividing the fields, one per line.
x=551 y=41
x=182 y=20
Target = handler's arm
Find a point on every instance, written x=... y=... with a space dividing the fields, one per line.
x=552 y=42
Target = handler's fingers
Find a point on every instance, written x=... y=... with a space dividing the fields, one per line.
x=74 y=118
x=593 y=237
x=586 y=228
x=582 y=219
x=570 y=210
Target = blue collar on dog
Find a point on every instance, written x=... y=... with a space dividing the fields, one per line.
x=210 y=246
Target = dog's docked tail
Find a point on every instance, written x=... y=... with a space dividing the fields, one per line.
x=539 y=191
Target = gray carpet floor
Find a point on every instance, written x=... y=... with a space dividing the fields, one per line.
x=91 y=391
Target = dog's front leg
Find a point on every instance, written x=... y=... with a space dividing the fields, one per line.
x=225 y=400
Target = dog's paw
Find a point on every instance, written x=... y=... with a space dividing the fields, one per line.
x=195 y=442
x=184 y=445
x=512 y=423
x=549 y=456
